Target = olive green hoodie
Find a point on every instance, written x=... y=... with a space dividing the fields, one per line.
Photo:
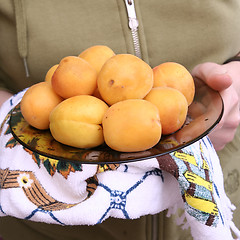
x=35 y=35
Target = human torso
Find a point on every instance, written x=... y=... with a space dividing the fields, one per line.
x=188 y=32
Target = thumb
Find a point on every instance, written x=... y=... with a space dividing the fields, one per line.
x=213 y=74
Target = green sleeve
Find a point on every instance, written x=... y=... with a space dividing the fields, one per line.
x=3 y=86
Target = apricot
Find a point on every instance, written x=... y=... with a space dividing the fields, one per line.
x=37 y=103
x=175 y=75
x=124 y=76
x=172 y=106
x=97 y=55
x=74 y=76
x=131 y=125
x=50 y=72
x=76 y=121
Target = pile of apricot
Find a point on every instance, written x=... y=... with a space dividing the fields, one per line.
x=99 y=96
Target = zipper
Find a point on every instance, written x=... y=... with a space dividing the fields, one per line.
x=133 y=25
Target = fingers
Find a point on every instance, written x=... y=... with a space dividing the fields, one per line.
x=214 y=75
x=231 y=115
x=226 y=129
x=223 y=78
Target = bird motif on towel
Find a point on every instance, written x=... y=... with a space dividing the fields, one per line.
x=36 y=194
x=33 y=191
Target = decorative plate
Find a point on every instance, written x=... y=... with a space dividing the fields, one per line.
x=203 y=115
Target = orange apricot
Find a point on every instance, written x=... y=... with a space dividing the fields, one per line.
x=124 y=76
x=172 y=106
x=131 y=125
x=97 y=55
x=37 y=103
x=175 y=75
x=76 y=121
x=74 y=76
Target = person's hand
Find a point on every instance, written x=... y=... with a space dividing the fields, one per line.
x=225 y=79
x=4 y=95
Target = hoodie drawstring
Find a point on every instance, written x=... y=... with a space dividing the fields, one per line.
x=21 y=25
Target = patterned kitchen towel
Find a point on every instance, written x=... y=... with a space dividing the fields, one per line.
x=42 y=189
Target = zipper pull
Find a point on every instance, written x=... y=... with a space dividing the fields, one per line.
x=133 y=25
x=133 y=22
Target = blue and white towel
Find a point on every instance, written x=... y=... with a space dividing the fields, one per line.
x=42 y=189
